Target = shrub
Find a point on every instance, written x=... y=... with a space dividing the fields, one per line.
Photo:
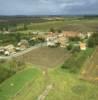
x=93 y=40
x=69 y=47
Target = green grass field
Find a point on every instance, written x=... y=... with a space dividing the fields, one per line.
x=30 y=83
x=70 y=87
x=14 y=84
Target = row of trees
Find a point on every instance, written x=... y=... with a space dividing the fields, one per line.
x=55 y=30
x=14 y=38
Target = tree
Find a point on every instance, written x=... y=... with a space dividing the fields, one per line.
x=52 y=30
x=25 y=27
x=74 y=38
x=93 y=40
x=69 y=47
x=59 y=31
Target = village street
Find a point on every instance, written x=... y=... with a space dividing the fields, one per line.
x=23 y=52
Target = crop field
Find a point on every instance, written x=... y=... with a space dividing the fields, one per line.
x=44 y=25
x=67 y=25
x=90 y=69
x=45 y=56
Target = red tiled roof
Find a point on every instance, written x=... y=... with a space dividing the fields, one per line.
x=70 y=33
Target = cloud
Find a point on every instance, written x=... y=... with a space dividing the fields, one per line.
x=40 y=7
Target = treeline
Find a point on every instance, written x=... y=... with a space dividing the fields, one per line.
x=10 y=38
x=88 y=17
x=14 y=38
x=93 y=40
x=20 y=19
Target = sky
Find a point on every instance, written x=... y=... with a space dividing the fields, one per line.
x=48 y=7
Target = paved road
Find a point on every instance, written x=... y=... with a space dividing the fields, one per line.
x=23 y=52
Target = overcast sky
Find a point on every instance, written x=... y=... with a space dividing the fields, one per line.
x=48 y=7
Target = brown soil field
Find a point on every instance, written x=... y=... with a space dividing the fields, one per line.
x=45 y=56
x=90 y=71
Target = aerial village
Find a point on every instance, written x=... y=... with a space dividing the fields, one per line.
x=50 y=39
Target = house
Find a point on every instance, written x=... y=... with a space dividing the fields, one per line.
x=82 y=35
x=6 y=53
x=89 y=34
x=62 y=40
x=10 y=48
x=23 y=44
x=51 y=41
x=83 y=46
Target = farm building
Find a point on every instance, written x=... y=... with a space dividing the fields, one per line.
x=83 y=46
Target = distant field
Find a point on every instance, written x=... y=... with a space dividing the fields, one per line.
x=90 y=69
x=43 y=24
x=67 y=25
x=45 y=57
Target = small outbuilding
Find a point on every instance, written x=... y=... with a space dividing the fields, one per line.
x=83 y=46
